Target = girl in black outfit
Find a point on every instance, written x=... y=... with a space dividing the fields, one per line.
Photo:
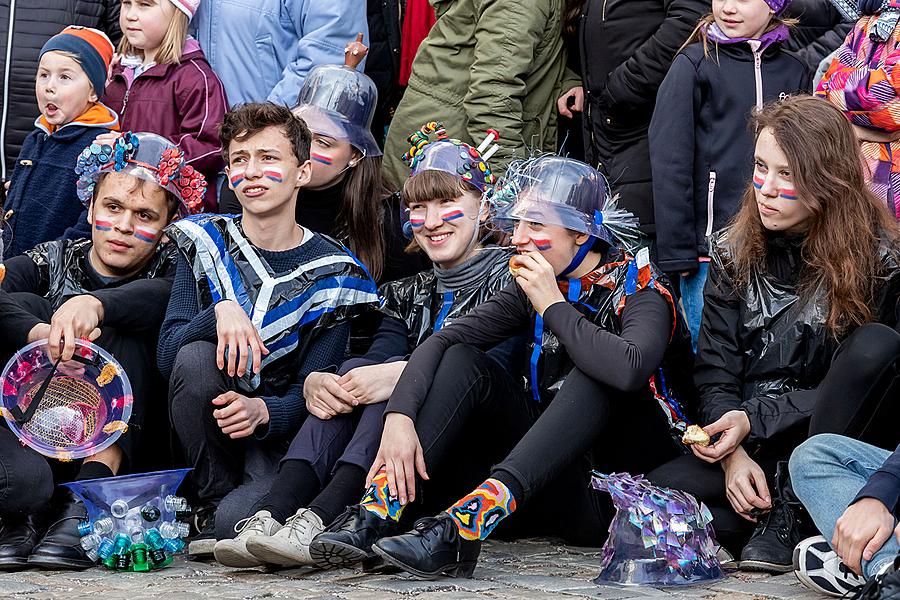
x=602 y=324
x=792 y=342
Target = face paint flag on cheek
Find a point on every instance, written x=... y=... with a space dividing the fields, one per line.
x=320 y=158
x=103 y=226
x=237 y=179
x=416 y=223
x=788 y=193
x=452 y=215
x=274 y=174
x=758 y=182
x=542 y=244
x=146 y=234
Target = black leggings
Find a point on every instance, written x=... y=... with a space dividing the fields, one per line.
x=545 y=465
x=857 y=398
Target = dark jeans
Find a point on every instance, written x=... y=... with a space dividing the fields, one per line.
x=222 y=466
x=857 y=399
x=136 y=354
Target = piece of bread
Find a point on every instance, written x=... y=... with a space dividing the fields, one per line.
x=514 y=265
x=694 y=434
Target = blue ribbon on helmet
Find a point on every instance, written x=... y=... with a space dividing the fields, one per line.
x=585 y=247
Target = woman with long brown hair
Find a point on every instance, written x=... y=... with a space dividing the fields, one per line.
x=797 y=335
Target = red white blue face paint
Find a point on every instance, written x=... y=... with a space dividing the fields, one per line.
x=452 y=215
x=758 y=182
x=321 y=158
x=148 y=235
x=103 y=225
x=416 y=223
x=788 y=193
x=274 y=174
x=237 y=178
x=542 y=244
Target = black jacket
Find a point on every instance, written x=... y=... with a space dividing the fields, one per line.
x=820 y=31
x=626 y=47
x=700 y=147
x=383 y=60
x=34 y=22
x=763 y=348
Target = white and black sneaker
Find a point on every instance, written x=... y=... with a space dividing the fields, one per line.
x=819 y=568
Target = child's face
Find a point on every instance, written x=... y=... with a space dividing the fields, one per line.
x=445 y=227
x=330 y=158
x=742 y=18
x=63 y=89
x=264 y=172
x=779 y=207
x=127 y=218
x=144 y=22
x=555 y=243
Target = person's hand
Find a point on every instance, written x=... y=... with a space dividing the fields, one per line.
x=373 y=383
x=106 y=138
x=239 y=416
x=78 y=317
x=562 y=104
x=861 y=531
x=324 y=396
x=401 y=456
x=7 y=184
x=355 y=52
x=41 y=331
x=871 y=135
x=536 y=278
x=734 y=427
x=745 y=484
x=235 y=334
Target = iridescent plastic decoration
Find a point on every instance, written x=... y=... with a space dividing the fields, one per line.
x=451 y=156
x=658 y=537
x=58 y=408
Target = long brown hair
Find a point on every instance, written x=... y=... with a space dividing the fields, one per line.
x=700 y=34
x=840 y=248
x=362 y=213
x=571 y=17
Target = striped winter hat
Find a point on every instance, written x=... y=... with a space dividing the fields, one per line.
x=91 y=46
x=188 y=7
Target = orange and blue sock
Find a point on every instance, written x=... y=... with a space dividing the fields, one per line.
x=378 y=500
x=479 y=513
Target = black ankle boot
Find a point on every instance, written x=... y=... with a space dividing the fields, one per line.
x=433 y=548
x=348 y=540
x=18 y=537
x=771 y=547
x=60 y=547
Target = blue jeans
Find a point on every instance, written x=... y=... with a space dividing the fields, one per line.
x=827 y=472
x=692 y=299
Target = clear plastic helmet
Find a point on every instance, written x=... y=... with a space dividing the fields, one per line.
x=147 y=156
x=561 y=191
x=339 y=102
x=66 y=410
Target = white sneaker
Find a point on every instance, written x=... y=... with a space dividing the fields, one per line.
x=233 y=553
x=289 y=547
x=819 y=568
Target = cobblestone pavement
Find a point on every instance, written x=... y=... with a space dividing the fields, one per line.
x=524 y=570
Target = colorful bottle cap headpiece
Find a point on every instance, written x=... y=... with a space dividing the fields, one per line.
x=339 y=102
x=562 y=191
x=66 y=410
x=146 y=156
x=451 y=156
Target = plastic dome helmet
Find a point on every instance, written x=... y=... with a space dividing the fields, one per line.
x=146 y=156
x=555 y=190
x=339 y=102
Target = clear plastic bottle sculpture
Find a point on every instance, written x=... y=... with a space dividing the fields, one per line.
x=66 y=410
x=658 y=537
x=132 y=522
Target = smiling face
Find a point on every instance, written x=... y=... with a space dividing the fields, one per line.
x=742 y=18
x=446 y=227
x=144 y=23
x=330 y=159
x=62 y=88
x=264 y=172
x=127 y=217
x=779 y=207
x=555 y=243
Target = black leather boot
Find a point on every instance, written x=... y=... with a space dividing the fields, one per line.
x=348 y=540
x=433 y=548
x=60 y=547
x=771 y=547
x=18 y=537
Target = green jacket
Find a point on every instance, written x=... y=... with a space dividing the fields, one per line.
x=485 y=64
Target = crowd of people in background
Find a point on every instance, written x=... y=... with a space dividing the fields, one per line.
x=392 y=276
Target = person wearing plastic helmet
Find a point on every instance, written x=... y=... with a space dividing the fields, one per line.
x=111 y=288
x=346 y=197
x=258 y=303
x=325 y=467
x=602 y=376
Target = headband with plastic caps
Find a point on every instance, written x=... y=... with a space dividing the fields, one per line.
x=339 y=102
x=452 y=156
x=555 y=190
x=146 y=156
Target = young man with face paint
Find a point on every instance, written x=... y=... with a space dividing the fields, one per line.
x=258 y=303
x=602 y=323
x=110 y=288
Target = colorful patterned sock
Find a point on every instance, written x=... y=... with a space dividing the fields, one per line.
x=478 y=514
x=377 y=499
